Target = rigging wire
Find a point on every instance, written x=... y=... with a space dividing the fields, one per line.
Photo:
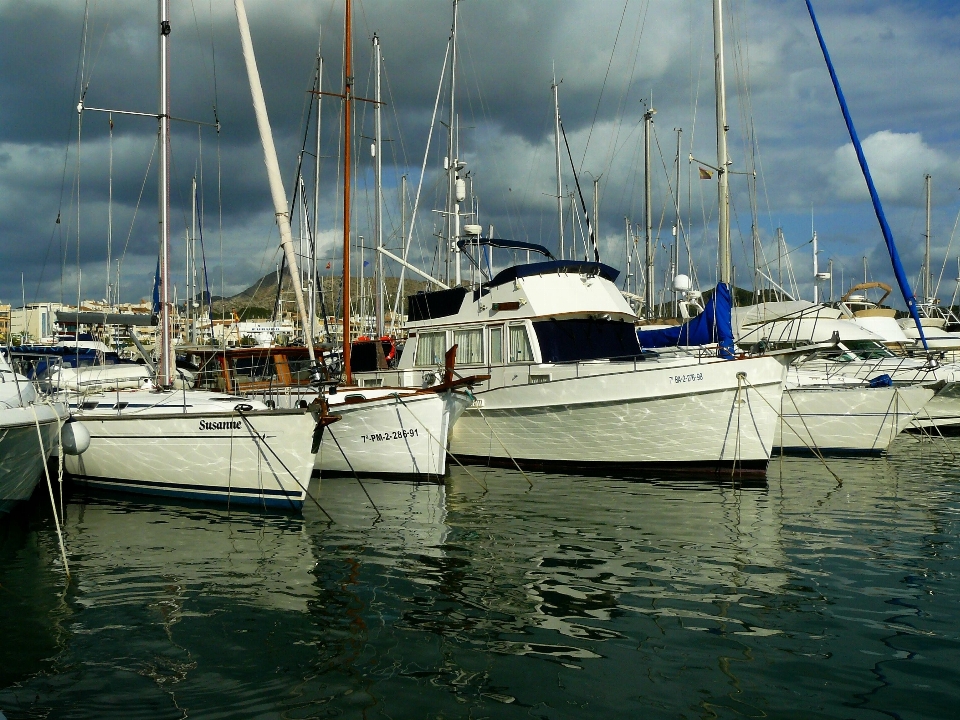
x=603 y=85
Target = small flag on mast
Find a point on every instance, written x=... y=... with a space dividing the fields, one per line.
x=705 y=174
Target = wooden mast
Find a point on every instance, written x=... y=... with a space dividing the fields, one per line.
x=348 y=85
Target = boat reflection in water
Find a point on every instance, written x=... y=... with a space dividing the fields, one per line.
x=582 y=597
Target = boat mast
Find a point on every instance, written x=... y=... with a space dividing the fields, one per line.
x=726 y=261
x=347 y=107
x=452 y=208
x=378 y=191
x=676 y=229
x=192 y=261
x=926 y=250
x=556 y=135
x=273 y=171
x=316 y=201
x=816 y=271
x=649 y=279
x=166 y=364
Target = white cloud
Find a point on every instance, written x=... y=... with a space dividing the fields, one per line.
x=898 y=162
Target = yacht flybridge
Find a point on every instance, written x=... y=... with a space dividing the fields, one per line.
x=569 y=384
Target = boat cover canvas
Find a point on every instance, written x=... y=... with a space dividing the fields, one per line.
x=711 y=326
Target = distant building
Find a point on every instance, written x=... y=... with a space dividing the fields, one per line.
x=4 y=323
x=34 y=323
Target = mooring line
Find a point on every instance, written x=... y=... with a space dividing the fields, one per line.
x=350 y=465
x=258 y=439
x=515 y=463
x=443 y=445
x=53 y=502
x=813 y=448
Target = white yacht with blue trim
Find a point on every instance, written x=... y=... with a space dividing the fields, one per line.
x=570 y=386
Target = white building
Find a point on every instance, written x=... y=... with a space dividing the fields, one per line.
x=34 y=323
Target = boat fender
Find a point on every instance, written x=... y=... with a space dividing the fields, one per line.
x=75 y=437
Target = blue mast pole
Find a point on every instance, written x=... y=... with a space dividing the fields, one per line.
x=908 y=296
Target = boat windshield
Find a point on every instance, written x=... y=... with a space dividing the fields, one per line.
x=867 y=350
x=587 y=339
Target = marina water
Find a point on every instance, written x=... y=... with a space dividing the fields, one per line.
x=574 y=598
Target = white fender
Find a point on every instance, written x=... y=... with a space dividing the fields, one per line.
x=76 y=437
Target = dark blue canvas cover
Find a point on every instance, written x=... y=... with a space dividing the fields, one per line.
x=713 y=325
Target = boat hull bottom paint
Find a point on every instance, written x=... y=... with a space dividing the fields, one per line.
x=702 y=470
x=260 y=459
x=200 y=494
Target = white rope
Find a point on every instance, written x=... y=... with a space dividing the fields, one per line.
x=53 y=502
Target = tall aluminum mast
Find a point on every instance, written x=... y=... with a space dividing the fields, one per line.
x=452 y=151
x=649 y=274
x=166 y=364
x=312 y=310
x=676 y=227
x=723 y=162
x=927 y=280
x=378 y=190
x=347 y=111
x=192 y=262
x=556 y=135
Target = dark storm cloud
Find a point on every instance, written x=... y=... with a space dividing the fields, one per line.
x=893 y=58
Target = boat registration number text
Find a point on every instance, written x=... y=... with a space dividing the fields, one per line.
x=389 y=435
x=690 y=377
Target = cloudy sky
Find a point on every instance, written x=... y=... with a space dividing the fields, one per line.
x=897 y=62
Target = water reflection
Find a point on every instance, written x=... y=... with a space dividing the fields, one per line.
x=579 y=597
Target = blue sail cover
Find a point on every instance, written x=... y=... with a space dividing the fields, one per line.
x=713 y=325
x=156 y=290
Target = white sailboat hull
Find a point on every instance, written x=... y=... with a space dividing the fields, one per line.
x=847 y=420
x=21 y=456
x=942 y=412
x=386 y=432
x=679 y=417
x=258 y=457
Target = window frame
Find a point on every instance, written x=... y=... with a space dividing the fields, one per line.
x=526 y=331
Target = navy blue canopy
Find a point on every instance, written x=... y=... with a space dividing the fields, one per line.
x=554 y=266
x=713 y=325
x=506 y=245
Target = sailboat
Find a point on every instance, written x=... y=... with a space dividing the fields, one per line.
x=28 y=434
x=381 y=430
x=194 y=444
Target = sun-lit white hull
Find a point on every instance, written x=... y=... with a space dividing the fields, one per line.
x=385 y=431
x=202 y=449
x=942 y=412
x=21 y=455
x=713 y=416
x=847 y=419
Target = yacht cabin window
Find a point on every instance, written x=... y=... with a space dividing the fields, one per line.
x=496 y=345
x=431 y=347
x=469 y=344
x=520 y=350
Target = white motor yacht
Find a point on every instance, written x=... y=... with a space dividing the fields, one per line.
x=570 y=386
x=835 y=414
